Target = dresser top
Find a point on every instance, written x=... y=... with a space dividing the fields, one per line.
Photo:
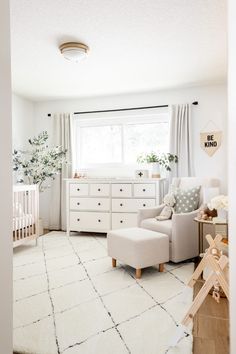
x=113 y=180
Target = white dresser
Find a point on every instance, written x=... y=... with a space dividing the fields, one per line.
x=99 y=205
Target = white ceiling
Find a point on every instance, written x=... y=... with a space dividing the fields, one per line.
x=136 y=45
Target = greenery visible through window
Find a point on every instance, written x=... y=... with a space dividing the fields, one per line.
x=120 y=141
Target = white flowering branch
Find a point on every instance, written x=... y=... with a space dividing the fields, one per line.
x=40 y=163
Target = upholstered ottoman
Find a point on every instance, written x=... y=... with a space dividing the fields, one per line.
x=139 y=248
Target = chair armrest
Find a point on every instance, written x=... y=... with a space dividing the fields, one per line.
x=147 y=213
x=184 y=236
x=185 y=216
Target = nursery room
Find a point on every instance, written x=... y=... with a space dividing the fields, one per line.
x=119 y=159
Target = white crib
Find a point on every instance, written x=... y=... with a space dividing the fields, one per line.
x=25 y=213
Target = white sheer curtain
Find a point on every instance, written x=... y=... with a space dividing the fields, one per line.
x=181 y=140
x=62 y=135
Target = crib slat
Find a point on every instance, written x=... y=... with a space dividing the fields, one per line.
x=26 y=213
x=21 y=215
x=17 y=217
x=14 y=216
x=33 y=212
x=24 y=226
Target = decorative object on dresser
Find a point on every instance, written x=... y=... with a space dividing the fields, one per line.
x=160 y=159
x=181 y=229
x=25 y=214
x=98 y=205
x=141 y=174
x=139 y=248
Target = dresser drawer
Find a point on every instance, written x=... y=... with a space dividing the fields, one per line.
x=144 y=190
x=96 y=204
x=122 y=190
x=100 y=189
x=120 y=220
x=89 y=221
x=78 y=189
x=131 y=205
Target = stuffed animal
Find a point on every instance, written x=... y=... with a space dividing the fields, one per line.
x=206 y=214
x=167 y=211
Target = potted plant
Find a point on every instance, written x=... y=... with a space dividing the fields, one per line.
x=157 y=160
x=40 y=164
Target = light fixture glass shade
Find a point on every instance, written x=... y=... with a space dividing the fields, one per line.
x=74 y=51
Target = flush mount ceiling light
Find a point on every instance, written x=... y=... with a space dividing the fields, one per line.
x=74 y=51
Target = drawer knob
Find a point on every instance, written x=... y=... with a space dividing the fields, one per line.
x=121 y=221
x=99 y=220
x=78 y=203
x=144 y=205
x=121 y=204
x=78 y=219
x=78 y=189
x=144 y=190
x=99 y=203
x=121 y=190
x=99 y=189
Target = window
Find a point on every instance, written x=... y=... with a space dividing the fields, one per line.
x=118 y=140
x=101 y=144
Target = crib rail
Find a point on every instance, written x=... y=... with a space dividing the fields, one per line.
x=25 y=213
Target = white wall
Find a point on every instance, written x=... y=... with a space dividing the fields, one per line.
x=232 y=170
x=5 y=183
x=212 y=106
x=23 y=126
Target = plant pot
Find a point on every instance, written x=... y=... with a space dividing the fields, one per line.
x=156 y=170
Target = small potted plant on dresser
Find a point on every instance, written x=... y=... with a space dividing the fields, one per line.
x=38 y=165
x=158 y=160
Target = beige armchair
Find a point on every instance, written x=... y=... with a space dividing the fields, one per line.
x=181 y=229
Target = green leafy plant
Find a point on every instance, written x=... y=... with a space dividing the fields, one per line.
x=164 y=159
x=39 y=164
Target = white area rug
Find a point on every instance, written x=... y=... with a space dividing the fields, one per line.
x=68 y=299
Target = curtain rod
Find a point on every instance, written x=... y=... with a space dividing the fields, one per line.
x=195 y=103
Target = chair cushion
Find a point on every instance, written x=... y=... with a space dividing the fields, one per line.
x=164 y=226
x=186 y=200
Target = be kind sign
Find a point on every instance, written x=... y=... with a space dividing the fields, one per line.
x=210 y=141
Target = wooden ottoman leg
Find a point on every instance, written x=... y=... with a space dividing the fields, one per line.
x=113 y=262
x=138 y=273
x=161 y=267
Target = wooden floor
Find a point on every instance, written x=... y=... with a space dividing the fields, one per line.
x=211 y=326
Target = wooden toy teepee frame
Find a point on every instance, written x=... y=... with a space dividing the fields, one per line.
x=217 y=264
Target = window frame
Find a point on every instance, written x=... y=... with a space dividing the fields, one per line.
x=122 y=121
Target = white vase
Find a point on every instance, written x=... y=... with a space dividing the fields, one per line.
x=222 y=214
x=156 y=170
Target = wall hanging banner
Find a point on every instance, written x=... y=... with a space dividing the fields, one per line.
x=211 y=141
